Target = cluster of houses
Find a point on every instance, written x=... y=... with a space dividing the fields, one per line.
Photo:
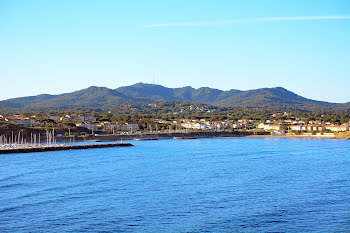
x=67 y=117
x=89 y=122
x=197 y=108
x=269 y=125
x=302 y=126
x=216 y=125
x=33 y=120
x=86 y=121
x=109 y=126
x=20 y=120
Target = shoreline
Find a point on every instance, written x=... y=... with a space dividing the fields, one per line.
x=191 y=135
x=149 y=137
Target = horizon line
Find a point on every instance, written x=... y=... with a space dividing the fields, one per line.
x=247 y=20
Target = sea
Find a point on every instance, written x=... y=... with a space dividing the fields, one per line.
x=198 y=185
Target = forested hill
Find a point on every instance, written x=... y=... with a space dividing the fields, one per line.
x=105 y=98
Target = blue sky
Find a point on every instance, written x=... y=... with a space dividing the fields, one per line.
x=61 y=46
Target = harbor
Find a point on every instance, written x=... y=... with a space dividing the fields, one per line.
x=18 y=144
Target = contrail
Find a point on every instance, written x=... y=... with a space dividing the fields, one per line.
x=247 y=20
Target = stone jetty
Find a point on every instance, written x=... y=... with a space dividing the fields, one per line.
x=44 y=148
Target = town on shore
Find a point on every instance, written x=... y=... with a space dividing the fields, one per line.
x=80 y=126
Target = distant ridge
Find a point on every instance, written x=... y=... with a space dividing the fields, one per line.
x=104 y=98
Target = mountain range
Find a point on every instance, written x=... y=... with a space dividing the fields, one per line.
x=104 y=98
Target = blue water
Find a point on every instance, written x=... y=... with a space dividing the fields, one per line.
x=203 y=185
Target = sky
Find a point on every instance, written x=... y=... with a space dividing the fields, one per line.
x=60 y=46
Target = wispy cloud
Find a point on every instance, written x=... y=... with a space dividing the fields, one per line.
x=247 y=20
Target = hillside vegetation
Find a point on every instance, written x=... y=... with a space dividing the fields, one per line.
x=104 y=98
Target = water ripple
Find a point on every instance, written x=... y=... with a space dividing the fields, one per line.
x=207 y=185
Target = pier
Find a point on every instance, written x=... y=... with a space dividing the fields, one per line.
x=44 y=148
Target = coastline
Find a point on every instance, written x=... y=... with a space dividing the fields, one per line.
x=191 y=135
x=151 y=137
